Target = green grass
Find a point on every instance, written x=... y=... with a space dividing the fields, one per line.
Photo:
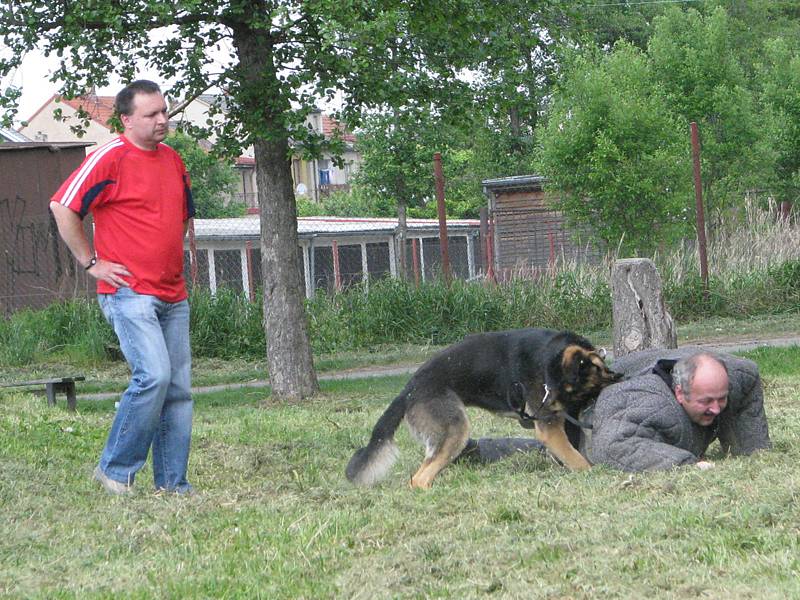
x=275 y=518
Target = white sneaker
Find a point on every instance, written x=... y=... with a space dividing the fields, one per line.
x=111 y=486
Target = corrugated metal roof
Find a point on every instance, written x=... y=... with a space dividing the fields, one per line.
x=9 y=135
x=33 y=145
x=250 y=227
x=515 y=182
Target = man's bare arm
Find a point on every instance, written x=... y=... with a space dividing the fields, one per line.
x=71 y=230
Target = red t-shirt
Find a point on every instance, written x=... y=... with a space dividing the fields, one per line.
x=140 y=200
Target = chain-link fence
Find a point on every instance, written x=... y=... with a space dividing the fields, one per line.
x=337 y=253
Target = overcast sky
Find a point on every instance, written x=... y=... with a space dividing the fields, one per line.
x=34 y=79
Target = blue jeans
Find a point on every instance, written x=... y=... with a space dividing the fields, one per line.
x=156 y=409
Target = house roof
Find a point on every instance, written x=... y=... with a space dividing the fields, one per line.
x=517 y=182
x=329 y=126
x=100 y=108
x=53 y=146
x=219 y=100
x=249 y=227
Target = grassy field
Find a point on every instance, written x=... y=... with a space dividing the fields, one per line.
x=275 y=517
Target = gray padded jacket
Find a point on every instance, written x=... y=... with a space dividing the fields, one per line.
x=638 y=424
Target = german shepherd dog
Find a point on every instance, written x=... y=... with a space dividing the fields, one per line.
x=534 y=375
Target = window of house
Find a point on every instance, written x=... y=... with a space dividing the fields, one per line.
x=324 y=166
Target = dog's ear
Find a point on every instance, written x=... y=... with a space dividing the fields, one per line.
x=573 y=362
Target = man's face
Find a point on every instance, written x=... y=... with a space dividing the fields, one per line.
x=708 y=394
x=146 y=126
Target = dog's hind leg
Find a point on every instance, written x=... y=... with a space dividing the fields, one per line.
x=442 y=456
x=443 y=426
x=553 y=436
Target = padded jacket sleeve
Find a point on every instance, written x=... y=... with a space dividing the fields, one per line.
x=743 y=426
x=639 y=426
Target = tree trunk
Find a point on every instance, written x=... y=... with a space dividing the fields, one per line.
x=291 y=366
x=640 y=319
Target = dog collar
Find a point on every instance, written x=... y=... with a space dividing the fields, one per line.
x=536 y=416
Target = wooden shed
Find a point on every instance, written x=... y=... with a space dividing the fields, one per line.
x=36 y=268
x=528 y=233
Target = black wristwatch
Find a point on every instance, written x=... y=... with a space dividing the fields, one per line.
x=92 y=262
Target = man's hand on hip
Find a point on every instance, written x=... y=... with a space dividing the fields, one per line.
x=110 y=272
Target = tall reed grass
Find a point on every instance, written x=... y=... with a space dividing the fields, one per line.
x=754 y=269
x=753 y=265
x=72 y=332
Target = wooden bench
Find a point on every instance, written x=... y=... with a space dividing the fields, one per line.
x=52 y=387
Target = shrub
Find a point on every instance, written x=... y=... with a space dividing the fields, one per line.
x=755 y=269
x=72 y=331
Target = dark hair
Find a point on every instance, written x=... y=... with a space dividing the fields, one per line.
x=684 y=370
x=123 y=103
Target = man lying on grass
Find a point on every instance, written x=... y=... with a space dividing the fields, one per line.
x=672 y=405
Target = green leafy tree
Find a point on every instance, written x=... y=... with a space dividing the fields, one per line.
x=601 y=24
x=695 y=60
x=397 y=162
x=751 y=22
x=355 y=203
x=516 y=66
x=780 y=77
x=615 y=158
x=213 y=179
x=397 y=157
x=284 y=56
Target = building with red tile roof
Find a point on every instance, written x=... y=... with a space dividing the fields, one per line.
x=312 y=178
x=43 y=126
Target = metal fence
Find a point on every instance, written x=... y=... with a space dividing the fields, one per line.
x=337 y=253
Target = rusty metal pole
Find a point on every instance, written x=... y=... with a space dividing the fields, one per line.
x=490 y=274
x=248 y=247
x=484 y=216
x=439 y=176
x=337 y=273
x=192 y=256
x=415 y=260
x=701 y=222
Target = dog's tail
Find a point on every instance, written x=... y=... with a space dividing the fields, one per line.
x=371 y=463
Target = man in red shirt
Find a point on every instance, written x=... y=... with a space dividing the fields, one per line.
x=138 y=192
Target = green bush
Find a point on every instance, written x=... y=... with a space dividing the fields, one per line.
x=71 y=331
x=393 y=311
x=226 y=325
x=396 y=311
x=784 y=284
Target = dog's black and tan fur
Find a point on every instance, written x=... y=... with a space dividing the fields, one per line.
x=503 y=372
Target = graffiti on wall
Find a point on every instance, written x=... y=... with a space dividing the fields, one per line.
x=26 y=240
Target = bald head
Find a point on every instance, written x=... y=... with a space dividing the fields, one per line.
x=701 y=386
